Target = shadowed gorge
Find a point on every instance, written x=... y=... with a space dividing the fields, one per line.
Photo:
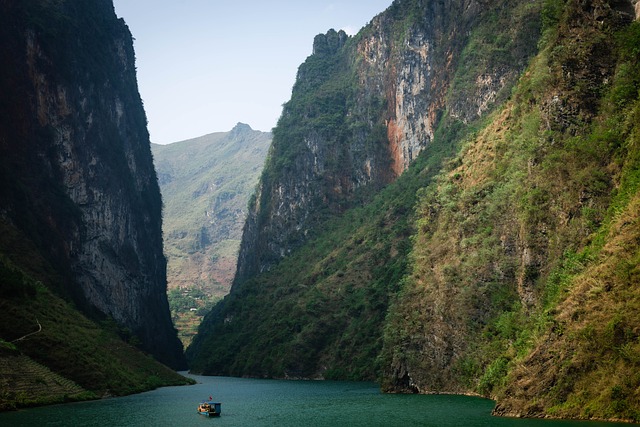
x=449 y=204
x=80 y=215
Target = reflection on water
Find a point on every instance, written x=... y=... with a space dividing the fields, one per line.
x=255 y=403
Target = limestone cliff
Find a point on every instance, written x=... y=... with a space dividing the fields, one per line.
x=451 y=206
x=362 y=111
x=78 y=180
x=363 y=108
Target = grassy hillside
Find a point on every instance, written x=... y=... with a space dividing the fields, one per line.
x=503 y=262
x=32 y=383
x=51 y=353
x=321 y=310
x=523 y=279
x=584 y=345
x=206 y=183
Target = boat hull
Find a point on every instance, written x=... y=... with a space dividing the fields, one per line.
x=210 y=409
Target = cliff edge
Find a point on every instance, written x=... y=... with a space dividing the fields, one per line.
x=80 y=204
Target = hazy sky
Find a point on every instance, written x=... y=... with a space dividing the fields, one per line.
x=204 y=65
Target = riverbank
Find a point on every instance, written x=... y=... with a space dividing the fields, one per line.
x=25 y=383
x=261 y=402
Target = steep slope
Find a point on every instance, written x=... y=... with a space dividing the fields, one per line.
x=361 y=111
x=80 y=205
x=59 y=355
x=32 y=381
x=502 y=261
x=320 y=312
x=525 y=206
x=206 y=184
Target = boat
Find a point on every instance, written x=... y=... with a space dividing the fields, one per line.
x=210 y=409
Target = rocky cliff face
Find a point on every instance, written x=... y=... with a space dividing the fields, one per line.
x=378 y=99
x=501 y=260
x=362 y=111
x=519 y=228
x=77 y=169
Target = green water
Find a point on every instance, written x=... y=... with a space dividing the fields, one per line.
x=255 y=403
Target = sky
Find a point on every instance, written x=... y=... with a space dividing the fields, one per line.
x=205 y=65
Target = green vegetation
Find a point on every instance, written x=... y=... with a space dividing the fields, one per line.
x=321 y=311
x=188 y=308
x=327 y=301
x=499 y=42
x=27 y=383
x=590 y=300
x=523 y=261
x=503 y=262
x=99 y=357
x=75 y=148
x=331 y=114
x=206 y=183
x=508 y=244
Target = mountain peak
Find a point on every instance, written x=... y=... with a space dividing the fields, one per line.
x=241 y=127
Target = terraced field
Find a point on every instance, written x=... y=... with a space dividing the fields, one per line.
x=33 y=384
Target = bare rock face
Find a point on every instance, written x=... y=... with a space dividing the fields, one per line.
x=364 y=108
x=74 y=139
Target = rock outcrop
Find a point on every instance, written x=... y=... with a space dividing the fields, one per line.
x=377 y=101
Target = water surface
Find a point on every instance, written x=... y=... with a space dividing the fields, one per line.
x=256 y=403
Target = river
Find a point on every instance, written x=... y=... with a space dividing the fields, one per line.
x=256 y=403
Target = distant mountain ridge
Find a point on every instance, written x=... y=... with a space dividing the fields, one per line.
x=206 y=183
